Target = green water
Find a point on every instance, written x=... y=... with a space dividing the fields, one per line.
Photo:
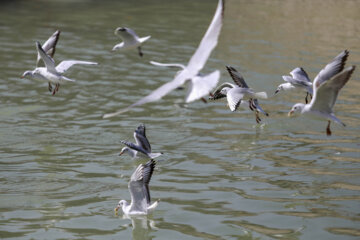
x=222 y=176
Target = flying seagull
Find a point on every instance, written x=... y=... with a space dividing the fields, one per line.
x=299 y=80
x=51 y=73
x=139 y=191
x=130 y=39
x=142 y=145
x=195 y=64
x=235 y=94
x=49 y=46
x=326 y=87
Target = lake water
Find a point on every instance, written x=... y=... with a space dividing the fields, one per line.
x=222 y=175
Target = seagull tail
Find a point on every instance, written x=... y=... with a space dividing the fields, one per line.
x=67 y=79
x=262 y=95
x=155 y=155
x=153 y=206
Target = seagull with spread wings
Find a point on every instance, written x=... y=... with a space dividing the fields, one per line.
x=299 y=80
x=49 y=46
x=51 y=73
x=142 y=145
x=194 y=66
x=326 y=87
x=139 y=191
x=130 y=39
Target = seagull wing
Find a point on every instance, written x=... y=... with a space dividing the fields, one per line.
x=48 y=61
x=217 y=94
x=49 y=46
x=208 y=42
x=134 y=147
x=141 y=139
x=175 y=65
x=65 y=65
x=326 y=94
x=139 y=186
x=156 y=94
x=201 y=86
x=300 y=74
x=237 y=77
x=331 y=69
x=234 y=97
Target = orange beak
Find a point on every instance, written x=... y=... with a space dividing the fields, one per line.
x=290 y=113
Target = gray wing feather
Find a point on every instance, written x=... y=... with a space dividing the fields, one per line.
x=237 y=77
x=300 y=74
x=134 y=147
x=217 y=93
x=49 y=46
x=141 y=139
x=48 y=61
x=65 y=65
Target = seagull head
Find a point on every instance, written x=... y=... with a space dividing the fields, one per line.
x=120 y=29
x=280 y=87
x=121 y=204
x=224 y=90
x=297 y=108
x=27 y=74
x=124 y=150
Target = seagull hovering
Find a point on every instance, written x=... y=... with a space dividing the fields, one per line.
x=139 y=191
x=49 y=46
x=192 y=69
x=51 y=73
x=299 y=80
x=130 y=39
x=326 y=86
x=142 y=145
x=235 y=94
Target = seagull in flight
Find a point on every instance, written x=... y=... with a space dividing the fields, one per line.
x=326 y=87
x=130 y=39
x=51 y=73
x=139 y=191
x=142 y=145
x=236 y=93
x=299 y=80
x=192 y=69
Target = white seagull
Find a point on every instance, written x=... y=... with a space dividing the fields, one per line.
x=235 y=94
x=326 y=87
x=193 y=68
x=139 y=191
x=49 y=46
x=51 y=73
x=299 y=80
x=142 y=145
x=130 y=39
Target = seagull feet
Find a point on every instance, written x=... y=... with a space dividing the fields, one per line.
x=203 y=99
x=257 y=118
x=251 y=105
x=140 y=52
x=50 y=87
x=56 y=89
x=328 y=131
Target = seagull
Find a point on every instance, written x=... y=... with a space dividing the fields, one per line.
x=235 y=94
x=298 y=80
x=139 y=191
x=192 y=69
x=50 y=73
x=130 y=39
x=142 y=145
x=49 y=46
x=326 y=87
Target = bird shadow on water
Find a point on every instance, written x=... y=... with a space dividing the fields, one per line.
x=141 y=226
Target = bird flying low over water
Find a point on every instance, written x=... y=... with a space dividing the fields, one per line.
x=192 y=69
x=130 y=39
x=51 y=73
x=142 y=145
x=298 y=80
x=139 y=191
x=235 y=94
x=49 y=46
x=326 y=86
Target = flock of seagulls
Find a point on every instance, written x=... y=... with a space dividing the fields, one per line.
x=321 y=95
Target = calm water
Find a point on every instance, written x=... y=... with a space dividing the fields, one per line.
x=223 y=176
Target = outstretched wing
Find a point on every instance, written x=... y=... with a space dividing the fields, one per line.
x=217 y=94
x=141 y=139
x=237 y=77
x=139 y=186
x=134 y=147
x=174 y=65
x=49 y=46
x=65 y=65
x=234 y=97
x=48 y=61
x=208 y=42
x=326 y=94
x=300 y=74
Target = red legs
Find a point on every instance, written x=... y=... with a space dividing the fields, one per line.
x=50 y=87
x=140 y=52
x=258 y=119
x=203 y=99
x=328 y=131
x=56 y=89
x=306 y=98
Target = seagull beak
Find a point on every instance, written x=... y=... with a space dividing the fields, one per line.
x=121 y=153
x=116 y=210
x=276 y=91
x=22 y=76
x=290 y=113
